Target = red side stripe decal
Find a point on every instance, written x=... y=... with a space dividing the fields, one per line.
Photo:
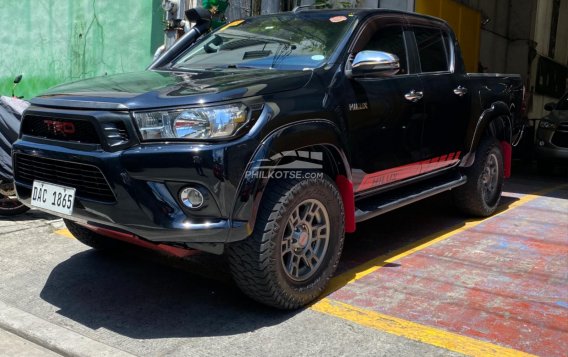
x=387 y=176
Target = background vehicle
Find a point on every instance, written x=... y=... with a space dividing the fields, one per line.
x=11 y=109
x=270 y=138
x=552 y=137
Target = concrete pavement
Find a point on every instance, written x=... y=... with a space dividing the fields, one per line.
x=15 y=346
x=147 y=304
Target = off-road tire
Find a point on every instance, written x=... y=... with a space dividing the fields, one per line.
x=472 y=198
x=90 y=238
x=15 y=207
x=256 y=263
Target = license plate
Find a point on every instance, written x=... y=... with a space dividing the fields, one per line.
x=52 y=197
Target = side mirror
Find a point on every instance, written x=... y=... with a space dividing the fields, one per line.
x=549 y=106
x=17 y=79
x=375 y=63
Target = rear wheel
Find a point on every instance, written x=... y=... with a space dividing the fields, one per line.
x=90 y=238
x=296 y=244
x=481 y=194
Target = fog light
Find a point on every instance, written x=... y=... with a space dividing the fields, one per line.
x=191 y=197
x=541 y=143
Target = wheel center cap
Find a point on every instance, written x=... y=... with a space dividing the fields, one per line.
x=303 y=240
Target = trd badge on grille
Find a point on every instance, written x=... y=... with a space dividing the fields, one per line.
x=60 y=127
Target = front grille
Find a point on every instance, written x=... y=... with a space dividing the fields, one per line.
x=81 y=131
x=560 y=137
x=88 y=180
x=115 y=133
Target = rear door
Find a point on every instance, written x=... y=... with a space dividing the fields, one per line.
x=446 y=96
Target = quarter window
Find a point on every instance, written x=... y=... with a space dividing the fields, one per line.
x=433 y=49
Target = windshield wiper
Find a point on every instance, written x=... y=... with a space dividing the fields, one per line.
x=282 y=52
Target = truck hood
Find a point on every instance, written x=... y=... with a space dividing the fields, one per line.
x=156 y=89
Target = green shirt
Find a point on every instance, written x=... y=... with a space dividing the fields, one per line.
x=219 y=5
x=217 y=8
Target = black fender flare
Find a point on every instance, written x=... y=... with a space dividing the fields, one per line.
x=295 y=136
x=499 y=113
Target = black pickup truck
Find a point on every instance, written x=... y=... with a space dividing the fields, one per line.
x=269 y=138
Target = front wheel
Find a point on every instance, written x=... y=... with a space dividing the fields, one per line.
x=10 y=206
x=481 y=194
x=295 y=246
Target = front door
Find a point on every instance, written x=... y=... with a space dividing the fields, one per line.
x=385 y=119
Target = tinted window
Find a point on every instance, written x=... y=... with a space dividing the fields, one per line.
x=391 y=40
x=433 y=49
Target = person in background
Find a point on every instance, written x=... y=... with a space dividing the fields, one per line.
x=217 y=9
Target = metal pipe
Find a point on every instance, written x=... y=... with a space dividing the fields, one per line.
x=178 y=47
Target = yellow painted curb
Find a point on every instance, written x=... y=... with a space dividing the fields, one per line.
x=65 y=233
x=411 y=330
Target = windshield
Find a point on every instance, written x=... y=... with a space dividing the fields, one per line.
x=284 y=41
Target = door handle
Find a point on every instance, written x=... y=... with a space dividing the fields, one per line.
x=414 y=96
x=461 y=91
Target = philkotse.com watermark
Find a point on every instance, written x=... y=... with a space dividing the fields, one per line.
x=294 y=164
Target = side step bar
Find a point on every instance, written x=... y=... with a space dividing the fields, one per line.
x=375 y=206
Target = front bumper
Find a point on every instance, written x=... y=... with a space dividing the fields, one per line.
x=546 y=148
x=145 y=180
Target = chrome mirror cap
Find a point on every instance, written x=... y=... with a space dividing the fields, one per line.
x=375 y=63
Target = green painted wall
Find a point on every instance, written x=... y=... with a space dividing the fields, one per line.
x=57 y=41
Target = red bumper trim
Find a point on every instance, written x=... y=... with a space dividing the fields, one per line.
x=134 y=239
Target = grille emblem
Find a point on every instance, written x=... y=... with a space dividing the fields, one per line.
x=60 y=127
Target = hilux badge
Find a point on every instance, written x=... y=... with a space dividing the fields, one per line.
x=358 y=106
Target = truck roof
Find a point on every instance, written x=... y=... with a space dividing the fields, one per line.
x=363 y=13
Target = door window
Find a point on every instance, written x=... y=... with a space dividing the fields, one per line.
x=391 y=40
x=433 y=49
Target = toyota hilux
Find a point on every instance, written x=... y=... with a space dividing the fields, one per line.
x=270 y=138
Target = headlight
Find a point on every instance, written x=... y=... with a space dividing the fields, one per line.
x=195 y=123
x=545 y=124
